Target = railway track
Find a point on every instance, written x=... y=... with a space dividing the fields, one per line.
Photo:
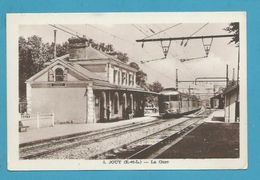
x=42 y=148
x=153 y=145
x=166 y=140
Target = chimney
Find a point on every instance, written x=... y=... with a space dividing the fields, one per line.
x=77 y=48
x=55 y=50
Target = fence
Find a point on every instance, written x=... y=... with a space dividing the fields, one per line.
x=38 y=120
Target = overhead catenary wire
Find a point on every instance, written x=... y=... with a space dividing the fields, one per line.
x=173 y=56
x=111 y=34
x=163 y=30
x=194 y=58
x=117 y=37
x=150 y=60
x=139 y=29
x=199 y=29
x=75 y=35
x=160 y=31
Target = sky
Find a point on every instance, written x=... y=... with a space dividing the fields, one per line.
x=123 y=38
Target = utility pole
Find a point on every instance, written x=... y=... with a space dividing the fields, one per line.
x=226 y=75
x=55 y=51
x=214 y=90
x=189 y=99
x=177 y=79
x=233 y=75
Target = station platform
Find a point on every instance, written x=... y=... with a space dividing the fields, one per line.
x=209 y=140
x=212 y=139
x=60 y=130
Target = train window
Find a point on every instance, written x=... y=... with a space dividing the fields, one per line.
x=174 y=98
x=165 y=98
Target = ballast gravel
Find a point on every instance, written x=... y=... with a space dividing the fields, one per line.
x=88 y=151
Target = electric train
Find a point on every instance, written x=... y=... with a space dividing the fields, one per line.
x=175 y=103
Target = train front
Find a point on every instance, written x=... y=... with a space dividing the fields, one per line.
x=169 y=102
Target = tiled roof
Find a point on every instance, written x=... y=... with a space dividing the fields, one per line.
x=86 y=72
x=95 y=54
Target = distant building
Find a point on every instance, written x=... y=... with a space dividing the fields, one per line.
x=80 y=86
x=217 y=102
x=231 y=98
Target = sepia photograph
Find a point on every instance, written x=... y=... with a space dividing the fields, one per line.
x=124 y=91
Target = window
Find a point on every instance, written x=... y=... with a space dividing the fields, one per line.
x=118 y=77
x=123 y=78
x=126 y=79
x=165 y=98
x=129 y=79
x=59 y=75
x=115 y=73
x=174 y=98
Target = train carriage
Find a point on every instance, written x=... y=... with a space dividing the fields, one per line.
x=175 y=103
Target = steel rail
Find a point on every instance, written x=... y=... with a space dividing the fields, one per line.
x=80 y=141
x=190 y=119
x=151 y=151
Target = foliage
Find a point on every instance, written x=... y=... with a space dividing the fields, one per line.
x=141 y=78
x=156 y=87
x=233 y=28
x=33 y=53
x=109 y=49
x=122 y=57
x=151 y=99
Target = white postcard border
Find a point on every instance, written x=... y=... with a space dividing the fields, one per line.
x=13 y=22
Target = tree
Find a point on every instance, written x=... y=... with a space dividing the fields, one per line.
x=122 y=57
x=102 y=47
x=233 y=28
x=156 y=87
x=33 y=53
x=109 y=48
x=62 y=49
x=32 y=56
x=141 y=78
x=25 y=66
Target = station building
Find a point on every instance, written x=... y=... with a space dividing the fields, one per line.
x=80 y=86
x=231 y=108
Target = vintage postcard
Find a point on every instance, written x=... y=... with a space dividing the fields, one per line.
x=127 y=91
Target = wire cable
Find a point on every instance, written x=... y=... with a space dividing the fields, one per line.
x=75 y=35
x=163 y=30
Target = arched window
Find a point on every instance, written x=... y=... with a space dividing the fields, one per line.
x=59 y=75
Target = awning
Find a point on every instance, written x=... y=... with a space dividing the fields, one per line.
x=123 y=89
x=231 y=88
